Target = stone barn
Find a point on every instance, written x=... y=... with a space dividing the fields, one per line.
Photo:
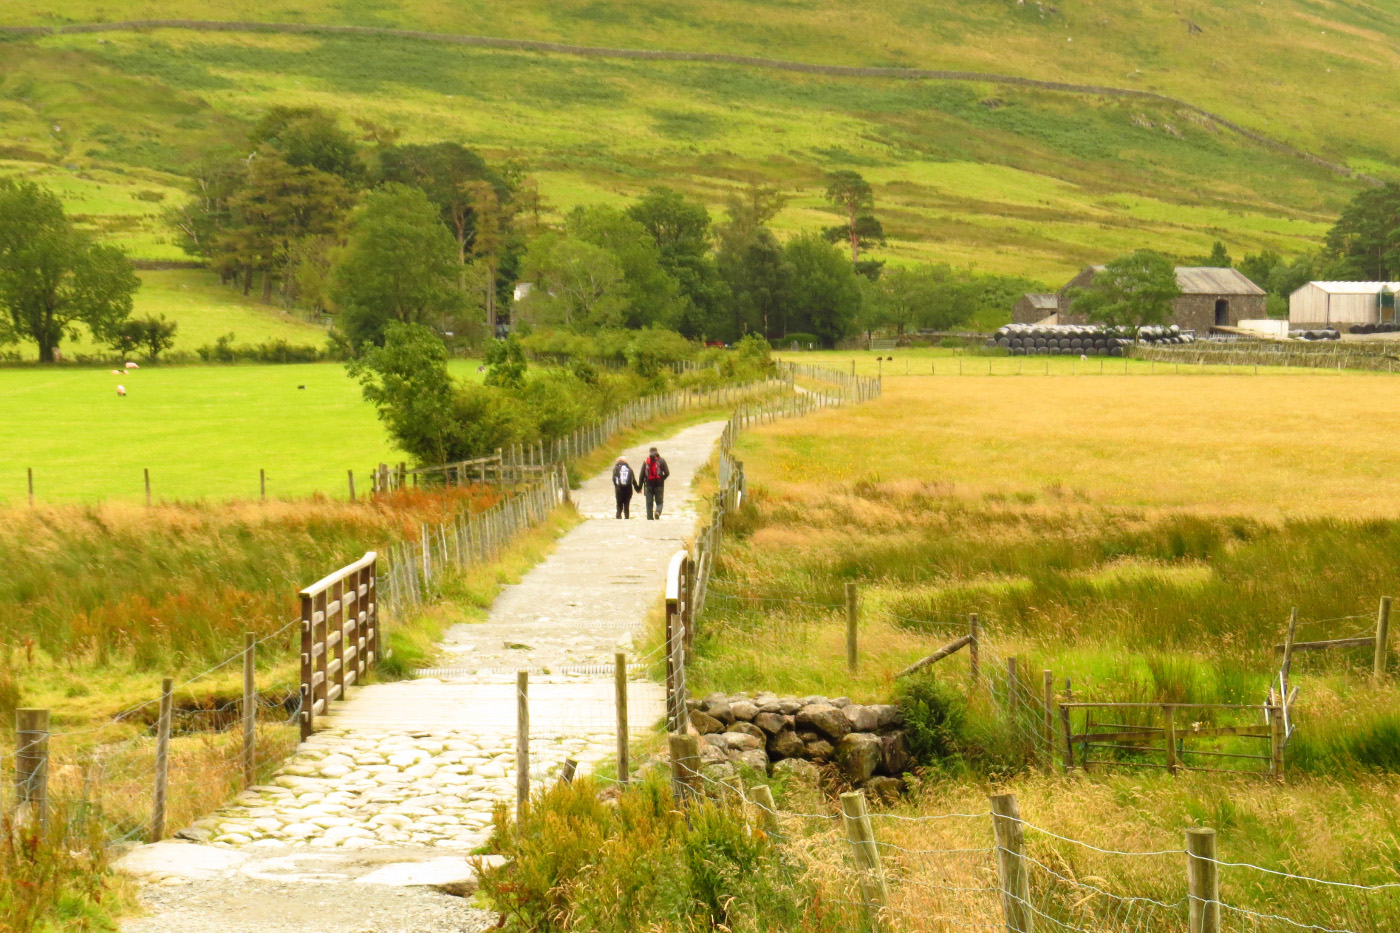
x=1210 y=297
x=1034 y=307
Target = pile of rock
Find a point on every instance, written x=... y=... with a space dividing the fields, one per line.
x=764 y=730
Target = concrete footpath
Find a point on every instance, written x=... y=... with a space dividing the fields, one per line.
x=368 y=826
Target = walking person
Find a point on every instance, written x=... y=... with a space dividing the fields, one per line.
x=624 y=481
x=653 y=482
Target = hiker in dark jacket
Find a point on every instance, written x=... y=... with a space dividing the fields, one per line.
x=653 y=482
x=624 y=481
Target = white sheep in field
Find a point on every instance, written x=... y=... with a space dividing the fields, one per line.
x=132 y=366
x=121 y=390
x=116 y=372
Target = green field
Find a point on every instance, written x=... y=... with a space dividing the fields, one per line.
x=202 y=431
x=1010 y=179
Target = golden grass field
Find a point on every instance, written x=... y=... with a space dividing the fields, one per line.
x=1269 y=446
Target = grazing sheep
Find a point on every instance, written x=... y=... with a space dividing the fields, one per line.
x=121 y=390
x=132 y=366
x=301 y=387
x=116 y=372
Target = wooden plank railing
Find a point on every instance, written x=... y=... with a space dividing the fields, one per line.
x=339 y=636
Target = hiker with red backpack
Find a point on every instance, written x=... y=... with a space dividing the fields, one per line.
x=653 y=482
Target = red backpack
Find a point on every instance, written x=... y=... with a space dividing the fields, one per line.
x=653 y=469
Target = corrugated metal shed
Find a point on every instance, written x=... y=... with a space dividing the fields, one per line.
x=1339 y=302
x=1210 y=280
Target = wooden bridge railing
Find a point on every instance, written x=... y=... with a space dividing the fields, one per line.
x=339 y=636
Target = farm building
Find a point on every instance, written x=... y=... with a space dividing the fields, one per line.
x=1328 y=304
x=1210 y=297
x=1034 y=307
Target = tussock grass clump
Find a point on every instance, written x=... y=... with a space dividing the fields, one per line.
x=609 y=862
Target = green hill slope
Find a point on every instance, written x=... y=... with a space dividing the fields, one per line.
x=1009 y=178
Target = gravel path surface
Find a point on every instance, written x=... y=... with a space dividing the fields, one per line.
x=409 y=772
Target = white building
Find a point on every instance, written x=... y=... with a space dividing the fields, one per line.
x=1334 y=304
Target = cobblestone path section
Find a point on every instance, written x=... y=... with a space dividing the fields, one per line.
x=422 y=763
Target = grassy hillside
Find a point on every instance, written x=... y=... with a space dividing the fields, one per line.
x=1011 y=179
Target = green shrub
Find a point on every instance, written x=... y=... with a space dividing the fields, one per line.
x=803 y=341
x=935 y=718
x=952 y=343
x=579 y=862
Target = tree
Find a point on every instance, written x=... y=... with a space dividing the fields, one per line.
x=400 y=264
x=1364 y=243
x=760 y=279
x=54 y=277
x=578 y=286
x=277 y=205
x=505 y=363
x=681 y=231
x=213 y=180
x=408 y=383
x=653 y=296
x=1219 y=257
x=851 y=196
x=824 y=295
x=1132 y=291
x=310 y=137
x=447 y=172
x=155 y=335
x=486 y=241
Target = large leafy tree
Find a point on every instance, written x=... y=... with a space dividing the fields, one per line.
x=760 y=278
x=577 y=286
x=1365 y=241
x=54 y=277
x=653 y=296
x=277 y=205
x=1132 y=291
x=681 y=231
x=310 y=137
x=408 y=383
x=400 y=265
x=449 y=174
x=824 y=296
x=851 y=196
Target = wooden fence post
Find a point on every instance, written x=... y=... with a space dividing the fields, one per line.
x=1169 y=737
x=867 y=857
x=1276 y=740
x=146 y=472
x=1013 y=685
x=32 y=766
x=852 y=621
x=1382 y=641
x=1202 y=881
x=767 y=809
x=350 y=474
x=262 y=485
x=31 y=486
x=623 y=736
x=685 y=767
x=1288 y=649
x=522 y=744
x=162 y=762
x=250 y=708
x=1011 y=866
x=1049 y=720
x=974 y=655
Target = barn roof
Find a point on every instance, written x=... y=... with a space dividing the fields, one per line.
x=1355 y=288
x=1043 y=301
x=1209 y=280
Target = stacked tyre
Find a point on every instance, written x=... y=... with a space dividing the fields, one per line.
x=1387 y=327
x=1326 y=334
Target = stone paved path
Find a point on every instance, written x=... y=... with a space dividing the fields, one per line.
x=419 y=765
